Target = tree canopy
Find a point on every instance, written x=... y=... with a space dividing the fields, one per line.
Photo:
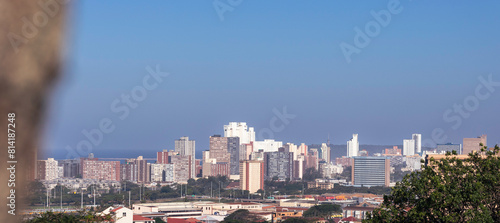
x=447 y=190
x=241 y=216
x=322 y=211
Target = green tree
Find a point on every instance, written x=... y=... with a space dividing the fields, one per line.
x=158 y=220
x=322 y=211
x=447 y=190
x=241 y=215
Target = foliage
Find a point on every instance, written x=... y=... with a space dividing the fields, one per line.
x=311 y=174
x=242 y=215
x=51 y=217
x=323 y=211
x=158 y=220
x=447 y=190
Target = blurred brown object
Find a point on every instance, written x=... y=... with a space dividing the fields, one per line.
x=31 y=38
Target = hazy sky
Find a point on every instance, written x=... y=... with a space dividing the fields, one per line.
x=406 y=77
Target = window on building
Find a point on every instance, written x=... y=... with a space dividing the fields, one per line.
x=124 y=214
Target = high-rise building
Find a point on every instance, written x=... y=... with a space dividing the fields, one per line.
x=47 y=169
x=408 y=147
x=101 y=170
x=312 y=159
x=162 y=172
x=220 y=169
x=268 y=145
x=353 y=146
x=219 y=149
x=371 y=171
x=71 y=167
x=182 y=167
x=325 y=152
x=251 y=175
x=128 y=171
x=298 y=167
x=278 y=164
x=207 y=164
x=241 y=130
x=474 y=144
x=290 y=147
x=187 y=147
x=303 y=149
x=245 y=151
x=448 y=147
x=162 y=157
x=198 y=167
x=233 y=147
x=143 y=170
x=418 y=142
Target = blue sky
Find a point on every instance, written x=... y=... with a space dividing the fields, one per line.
x=274 y=54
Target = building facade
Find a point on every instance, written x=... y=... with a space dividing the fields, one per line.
x=474 y=144
x=47 y=169
x=101 y=170
x=187 y=147
x=353 y=146
x=371 y=171
x=278 y=164
x=251 y=175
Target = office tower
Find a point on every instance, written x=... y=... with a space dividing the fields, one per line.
x=47 y=169
x=101 y=170
x=303 y=149
x=233 y=147
x=473 y=144
x=143 y=170
x=353 y=146
x=219 y=149
x=290 y=147
x=162 y=172
x=251 y=175
x=220 y=169
x=182 y=167
x=371 y=171
x=312 y=159
x=278 y=164
x=198 y=167
x=207 y=164
x=162 y=157
x=71 y=167
x=90 y=157
x=418 y=142
x=245 y=151
x=186 y=147
x=448 y=147
x=298 y=167
x=325 y=152
x=128 y=171
x=268 y=145
x=241 y=130
x=408 y=147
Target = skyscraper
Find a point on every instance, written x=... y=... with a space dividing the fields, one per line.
x=278 y=164
x=371 y=171
x=162 y=157
x=241 y=130
x=418 y=142
x=186 y=147
x=473 y=144
x=47 y=169
x=233 y=147
x=251 y=175
x=353 y=146
x=325 y=152
x=408 y=147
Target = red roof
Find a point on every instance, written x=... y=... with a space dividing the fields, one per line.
x=116 y=209
x=350 y=219
x=140 y=218
x=180 y=220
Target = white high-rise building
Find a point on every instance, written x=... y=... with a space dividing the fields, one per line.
x=325 y=152
x=408 y=147
x=186 y=147
x=418 y=142
x=241 y=130
x=268 y=145
x=353 y=146
x=162 y=172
